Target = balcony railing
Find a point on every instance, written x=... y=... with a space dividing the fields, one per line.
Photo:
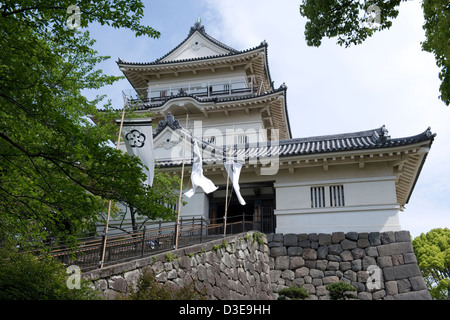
x=156 y=94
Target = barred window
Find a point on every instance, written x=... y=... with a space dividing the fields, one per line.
x=317 y=197
x=337 y=196
x=332 y=196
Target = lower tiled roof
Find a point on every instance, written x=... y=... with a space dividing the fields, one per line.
x=363 y=140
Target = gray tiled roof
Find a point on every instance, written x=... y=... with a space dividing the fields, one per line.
x=363 y=140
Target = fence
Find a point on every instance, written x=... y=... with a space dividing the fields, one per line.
x=153 y=238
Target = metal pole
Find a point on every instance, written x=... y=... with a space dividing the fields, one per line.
x=181 y=186
x=110 y=202
x=226 y=194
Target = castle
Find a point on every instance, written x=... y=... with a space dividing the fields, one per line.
x=357 y=181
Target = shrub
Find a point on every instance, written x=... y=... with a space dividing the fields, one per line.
x=293 y=293
x=148 y=288
x=340 y=290
x=25 y=277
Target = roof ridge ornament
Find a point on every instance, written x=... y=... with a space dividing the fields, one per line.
x=170 y=121
x=383 y=135
x=198 y=26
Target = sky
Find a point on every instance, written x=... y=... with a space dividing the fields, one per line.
x=388 y=80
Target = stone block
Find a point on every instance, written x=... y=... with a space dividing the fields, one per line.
x=324 y=239
x=315 y=273
x=301 y=272
x=346 y=256
x=391 y=287
x=117 y=283
x=290 y=239
x=304 y=244
x=328 y=280
x=374 y=238
x=358 y=253
x=309 y=254
x=282 y=263
x=295 y=251
x=377 y=295
x=337 y=237
x=345 y=265
x=397 y=259
x=402 y=236
x=387 y=237
x=277 y=237
x=278 y=251
x=322 y=252
x=334 y=249
x=413 y=295
x=356 y=265
x=401 y=272
x=372 y=251
x=302 y=237
x=409 y=258
x=296 y=262
x=364 y=295
x=363 y=243
x=353 y=236
x=288 y=275
x=395 y=248
x=347 y=244
x=313 y=237
x=384 y=262
x=333 y=266
x=367 y=262
x=321 y=264
x=417 y=283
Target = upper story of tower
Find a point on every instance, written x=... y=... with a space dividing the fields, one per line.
x=212 y=82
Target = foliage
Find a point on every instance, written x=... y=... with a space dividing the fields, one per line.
x=345 y=19
x=170 y=256
x=352 y=22
x=293 y=293
x=437 y=33
x=57 y=170
x=148 y=288
x=24 y=277
x=341 y=290
x=433 y=256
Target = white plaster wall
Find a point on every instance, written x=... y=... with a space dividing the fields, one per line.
x=370 y=200
x=358 y=219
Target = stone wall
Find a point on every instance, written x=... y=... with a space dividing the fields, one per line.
x=255 y=266
x=379 y=265
x=235 y=267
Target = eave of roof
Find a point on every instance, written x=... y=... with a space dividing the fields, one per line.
x=355 y=141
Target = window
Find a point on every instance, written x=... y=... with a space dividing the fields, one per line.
x=337 y=196
x=331 y=196
x=317 y=197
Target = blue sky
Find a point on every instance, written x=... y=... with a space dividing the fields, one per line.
x=388 y=80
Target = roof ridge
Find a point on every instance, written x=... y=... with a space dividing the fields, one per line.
x=201 y=29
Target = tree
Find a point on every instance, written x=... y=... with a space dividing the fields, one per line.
x=56 y=168
x=352 y=22
x=23 y=277
x=432 y=250
x=341 y=290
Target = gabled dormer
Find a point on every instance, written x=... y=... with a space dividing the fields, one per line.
x=198 y=44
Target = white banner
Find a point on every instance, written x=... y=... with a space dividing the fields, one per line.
x=197 y=177
x=234 y=176
x=138 y=136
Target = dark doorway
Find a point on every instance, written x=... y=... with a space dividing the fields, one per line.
x=257 y=214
